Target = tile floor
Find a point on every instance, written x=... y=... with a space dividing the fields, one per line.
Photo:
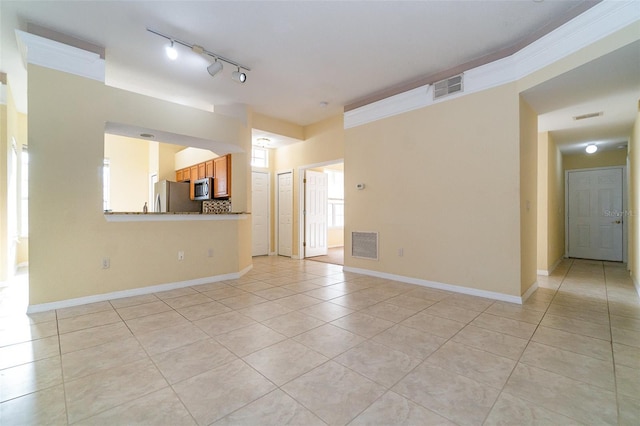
x=302 y=343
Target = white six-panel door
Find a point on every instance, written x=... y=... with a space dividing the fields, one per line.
x=316 y=212
x=285 y=213
x=595 y=214
x=260 y=213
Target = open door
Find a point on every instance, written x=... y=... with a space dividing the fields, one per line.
x=316 y=210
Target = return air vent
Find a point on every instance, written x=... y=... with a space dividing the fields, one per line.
x=447 y=86
x=364 y=245
x=590 y=115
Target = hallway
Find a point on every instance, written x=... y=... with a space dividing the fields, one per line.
x=301 y=342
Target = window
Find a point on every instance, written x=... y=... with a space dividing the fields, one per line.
x=106 y=184
x=259 y=157
x=336 y=213
x=24 y=192
x=336 y=198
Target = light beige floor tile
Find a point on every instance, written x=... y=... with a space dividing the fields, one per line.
x=628 y=381
x=510 y=410
x=585 y=328
x=523 y=330
x=45 y=407
x=133 y=300
x=516 y=312
x=99 y=392
x=327 y=311
x=589 y=346
x=26 y=378
x=570 y=364
x=216 y=393
x=187 y=300
x=298 y=301
x=274 y=293
x=395 y=410
x=431 y=294
x=166 y=339
x=410 y=302
x=415 y=343
x=176 y=293
x=626 y=323
x=475 y=364
x=458 y=398
x=255 y=286
x=142 y=310
x=37 y=317
x=243 y=301
x=334 y=393
x=100 y=358
x=274 y=409
x=155 y=322
x=25 y=332
x=285 y=361
x=355 y=301
x=89 y=308
x=629 y=356
x=223 y=323
x=162 y=407
x=203 y=288
x=626 y=337
x=378 y=362
x=581 y=302
x=34 y=350
x=246 y=340
x=329 y=340
x=301 y=287
x=265 y=311
x=94 y=336
x=80 y=322
x=389 y=312
x=579 y=313
x=192 y=359
x=362 y=324
x=628 y=411
x=204 y=310
x=224 y=293
x=293 y=323
x=466 y=301
x=437 y=326
x=324 y=293
x=625 y=309
x=577 y=400
x=491 y=341
x=446 y=309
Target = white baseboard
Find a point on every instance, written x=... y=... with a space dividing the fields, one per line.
x=42 y=307
x=441 y=286
x=530 y=291
x=636 y=284
x=550 y=271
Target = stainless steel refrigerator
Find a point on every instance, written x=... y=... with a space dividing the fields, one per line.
x=174 y=197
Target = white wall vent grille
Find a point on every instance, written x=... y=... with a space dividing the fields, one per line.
x=364 y=245
x=448 y=86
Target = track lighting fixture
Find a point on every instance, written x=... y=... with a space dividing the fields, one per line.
x=214 y=68
x=238 y=76
x=171 y=51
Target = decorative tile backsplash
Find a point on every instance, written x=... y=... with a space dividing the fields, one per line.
x=216 y=206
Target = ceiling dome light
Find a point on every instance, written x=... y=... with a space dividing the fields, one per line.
x=591 y=148
x=171 y=52
x=238 y=77
x=214 y=68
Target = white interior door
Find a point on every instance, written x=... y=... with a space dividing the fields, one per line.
x=260 y=213
x=316 y=211
x=595 y=214
x=285 y=213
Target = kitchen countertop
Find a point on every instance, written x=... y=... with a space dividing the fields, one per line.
x=171 y=216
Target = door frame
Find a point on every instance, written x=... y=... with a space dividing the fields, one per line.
x=268 y=173
x=301 y=192
x=624 y=207
x=277 y=212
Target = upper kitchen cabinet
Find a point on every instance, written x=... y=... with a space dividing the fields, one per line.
x=222 y=174
x=208 y=166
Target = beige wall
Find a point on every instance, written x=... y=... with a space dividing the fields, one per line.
x=528 y=195
x=189 y=156
x=634 y=202
x=598 y=159
x=279 y=127
x=129 y=171
x=551 y=232
x=69 y=234
x=443 y=183
x=324 y=143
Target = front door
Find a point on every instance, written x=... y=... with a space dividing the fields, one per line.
x=595 y=214
x=316 y=212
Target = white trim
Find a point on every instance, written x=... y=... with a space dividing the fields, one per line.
x=529 y=292
x=441 y=286
x=636 y=284
x=598 y=22
x=59 y=56
x=42 y=307
x=170 y=217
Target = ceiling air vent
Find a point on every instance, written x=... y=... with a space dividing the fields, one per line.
x=590 y=115
x=364 y=245
x=447 y=86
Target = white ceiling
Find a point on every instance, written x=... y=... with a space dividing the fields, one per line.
x=303 y=53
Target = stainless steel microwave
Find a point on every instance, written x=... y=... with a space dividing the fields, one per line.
x=203 y=189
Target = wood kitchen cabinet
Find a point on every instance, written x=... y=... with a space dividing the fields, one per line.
x=208 y=168
x=222 y=174
x=193 y=170
x=201 y=171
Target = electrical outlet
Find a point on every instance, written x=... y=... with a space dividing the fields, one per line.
x=210 y=252
x=400 y=252
x=106 y=263
x=180 y=254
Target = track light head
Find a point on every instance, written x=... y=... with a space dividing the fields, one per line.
x=214 y=68
x=238 y=77
x=171 y=51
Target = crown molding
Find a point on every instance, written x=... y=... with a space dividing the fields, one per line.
x=48 y=53
x=596 y=23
